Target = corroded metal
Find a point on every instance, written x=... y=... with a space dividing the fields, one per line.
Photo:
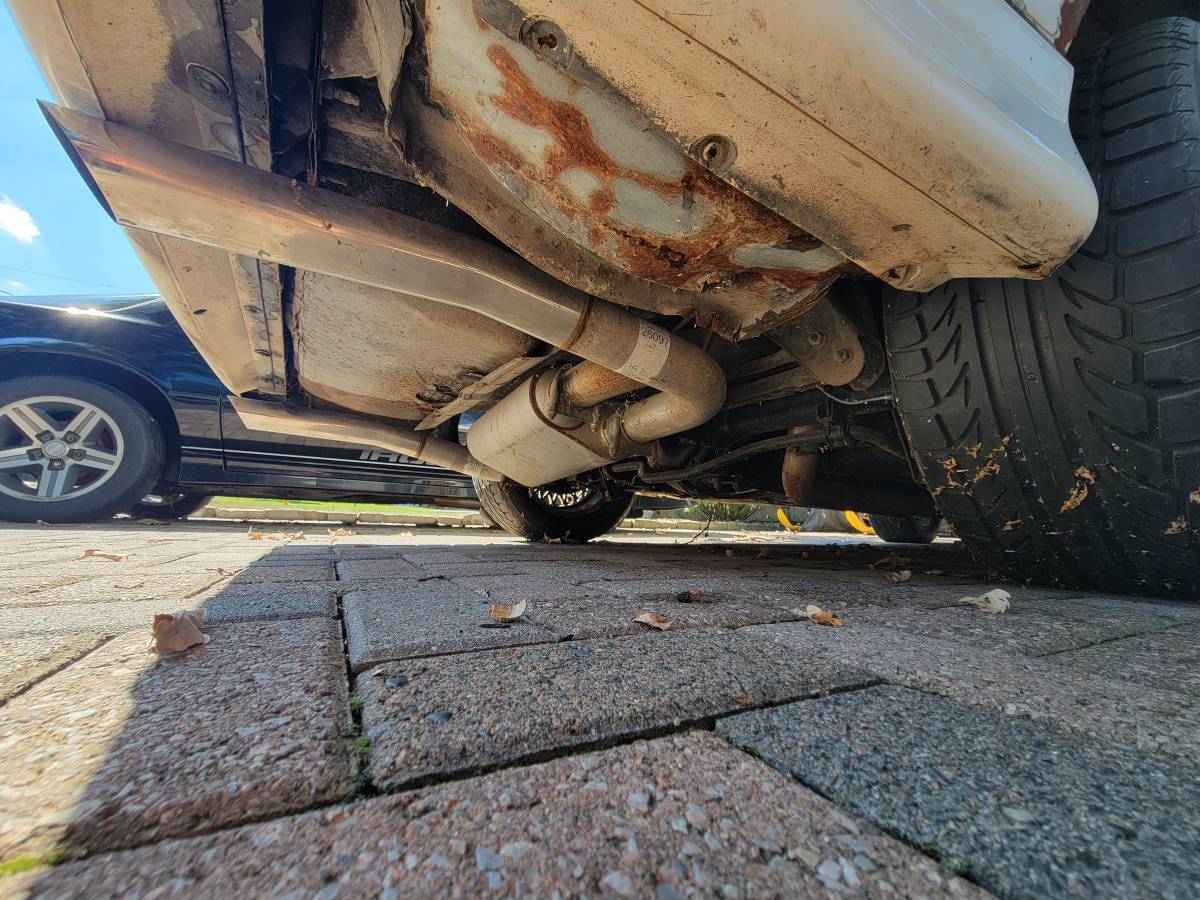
x=593 y=168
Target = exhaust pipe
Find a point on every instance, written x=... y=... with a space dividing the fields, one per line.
x=163 y=187
x=279 y=417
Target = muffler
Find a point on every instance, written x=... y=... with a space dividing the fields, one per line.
x=158 y=186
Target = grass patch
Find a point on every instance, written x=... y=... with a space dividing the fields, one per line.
x=336 y=506
x=20 y=864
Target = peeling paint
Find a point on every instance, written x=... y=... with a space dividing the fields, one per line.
x=590 y=165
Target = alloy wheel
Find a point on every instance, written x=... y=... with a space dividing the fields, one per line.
x=54 y=448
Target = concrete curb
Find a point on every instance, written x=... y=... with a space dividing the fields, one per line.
x=421 y=520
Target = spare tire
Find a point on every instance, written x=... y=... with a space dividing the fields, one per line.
x=1057 y=422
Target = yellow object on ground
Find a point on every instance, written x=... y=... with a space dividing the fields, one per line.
x=785 y=521
x=858 y=523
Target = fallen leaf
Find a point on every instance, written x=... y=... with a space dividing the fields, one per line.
x=691 y=595
x=821 y=617
x=505 y=612
x=899 y=576
x=1083 y=477
x=1011 y=524
x=335 y=533
x=654 y=620
x=93 y=553
x=222 y=572
x=991 y=467
x=994 y=601
x=1177 y=526
x=254 y=535
x=742 y=701
x=973 y=450
x=891 y=562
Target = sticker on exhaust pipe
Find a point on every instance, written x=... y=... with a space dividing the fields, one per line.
x=649 y=353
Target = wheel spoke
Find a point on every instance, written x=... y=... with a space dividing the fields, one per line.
x=16 y=458
x=97 y=459
x=53 y=482
x=29 y=420
x=85 y=421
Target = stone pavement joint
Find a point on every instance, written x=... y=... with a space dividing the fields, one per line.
x=125 y=747
x=662 y=818
x=441 y=716
x=1021 y=808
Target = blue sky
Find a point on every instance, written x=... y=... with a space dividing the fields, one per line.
x=54 y=237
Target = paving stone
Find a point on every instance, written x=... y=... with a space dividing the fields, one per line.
x=369 y=569
x=106 y=618
x=1021 y=809
x=674 y=817
x=124 y=747
x=1034 y=625
x=132 y=586
x=19 y=583
x=451 y=714
x=1169 y=660
x=24 y=660
x=255 y=574
x=598 y=609
x=242 y=603
x=1147 y=718
x=408 y=618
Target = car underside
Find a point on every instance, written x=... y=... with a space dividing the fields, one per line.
x=788 y=252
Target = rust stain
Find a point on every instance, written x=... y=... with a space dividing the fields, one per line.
x=702 y=261
x=1070 y=17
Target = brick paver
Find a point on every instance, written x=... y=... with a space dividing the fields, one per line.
x=1047 y=751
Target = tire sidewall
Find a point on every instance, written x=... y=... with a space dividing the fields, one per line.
x=138 y=471
x=511 y=506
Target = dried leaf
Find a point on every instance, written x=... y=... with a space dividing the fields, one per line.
x=254 y=535
x=994 y=601
x=654 y=620
x=335 y=533
x=991 y=467
x=505 y=612
x=973 y=450
x=691 y=595
x=1011 y=524
x=899 y=576
x=222 y=572
x=742 y=701
x=821 y=617
x=1083 y=477
x=891 y=562
x=1177 y=526
x=93 y=553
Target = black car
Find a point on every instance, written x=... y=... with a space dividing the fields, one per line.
x=106 y=407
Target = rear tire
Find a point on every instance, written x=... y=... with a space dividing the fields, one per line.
x=1058 y=422
x=535 y=515
x=907 y=529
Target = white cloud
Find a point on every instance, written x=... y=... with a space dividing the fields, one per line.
x=17 y=221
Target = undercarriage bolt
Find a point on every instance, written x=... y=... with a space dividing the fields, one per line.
x=842 y=355
x=816 y=338
x=56 y=464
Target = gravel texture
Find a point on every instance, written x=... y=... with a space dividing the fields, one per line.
x=1167 y=660
x=452 y=714
x=240 y=603
x=124 y=747
x=1022 y=809
x=681 y=816
x=1102 y=708
x=26 y=659
x=410 y=618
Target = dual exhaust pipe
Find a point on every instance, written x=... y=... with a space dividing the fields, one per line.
x=159 y=186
